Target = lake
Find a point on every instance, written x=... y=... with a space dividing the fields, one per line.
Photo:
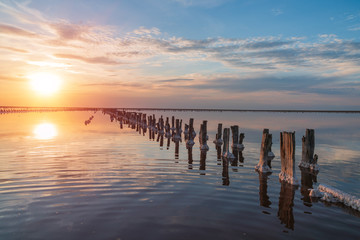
x=62 y=179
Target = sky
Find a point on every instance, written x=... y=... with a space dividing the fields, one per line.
x=238 y=54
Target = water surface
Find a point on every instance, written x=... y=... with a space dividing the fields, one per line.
x=62 y=179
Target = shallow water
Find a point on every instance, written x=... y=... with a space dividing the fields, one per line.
x=62 y=179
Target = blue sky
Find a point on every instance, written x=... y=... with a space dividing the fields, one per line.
x=206 y=53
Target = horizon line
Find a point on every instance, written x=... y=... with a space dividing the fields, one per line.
x=178 y=109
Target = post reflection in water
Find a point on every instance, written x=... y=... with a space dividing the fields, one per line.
x=263 y=195
x=218 y=151
x=45 y=131
x=177 y=150
x=190 y=158
x=225 y=172
x=202 y=162
x=161 y=141
x=286 y=203
x=307 y=179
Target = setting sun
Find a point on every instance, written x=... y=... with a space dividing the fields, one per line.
x=45 y=83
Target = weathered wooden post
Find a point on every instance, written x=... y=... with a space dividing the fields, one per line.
x=218 y=139
x=266 y=155
x=173 y=125
x=186 y=132
x=226 y=138
x=167 y=128
x=177 y=136
x=309 y=160
x=190 y=142
x=203 y=136
x=287 y=153
x=236 y=144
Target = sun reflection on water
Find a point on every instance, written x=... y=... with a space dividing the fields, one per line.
x=45 y=131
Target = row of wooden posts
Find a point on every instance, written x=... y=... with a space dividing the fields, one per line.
x=222 y=138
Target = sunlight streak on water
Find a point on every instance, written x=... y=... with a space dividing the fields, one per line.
x=45 y=131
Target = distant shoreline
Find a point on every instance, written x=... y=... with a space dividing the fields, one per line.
x=25 y=109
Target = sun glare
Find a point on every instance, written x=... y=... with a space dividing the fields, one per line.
x=45 y=131
x=45 y=83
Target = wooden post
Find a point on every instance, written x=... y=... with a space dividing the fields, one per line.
x=287 y=152
x=186 y=132
x=190 y=142
x=218 y=140
x=266 y=155
x=309 y=160
x=177 y=135
x=203 y=136
x=226 y=153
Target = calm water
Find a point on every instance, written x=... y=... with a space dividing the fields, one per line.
x=62 y=179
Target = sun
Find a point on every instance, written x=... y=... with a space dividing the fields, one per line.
x=45 y=83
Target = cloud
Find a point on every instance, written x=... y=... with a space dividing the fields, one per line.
x=175 y=80
x=276 y=11
x=11 y=30
x=93 y=60
x=14 y=49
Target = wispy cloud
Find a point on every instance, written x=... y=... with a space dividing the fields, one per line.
x=94 y=60
x=276 y=11
x=11 y=30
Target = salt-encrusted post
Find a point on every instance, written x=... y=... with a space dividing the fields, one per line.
x=172 y=125
x=236 y=140
x=186 y=132
x=287 y=153
x=203 y=136
x=226 y=153
x=309 y=160
x=266 y=155
x=177 y=135
x=218 y=140
x=190 y=142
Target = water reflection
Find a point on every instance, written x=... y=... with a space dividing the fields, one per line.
x=307 y=179
x=190 y=158
x=286 y=204
x=202 y=162
x=225 y=172
x=45 y=131
x=263 y=195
